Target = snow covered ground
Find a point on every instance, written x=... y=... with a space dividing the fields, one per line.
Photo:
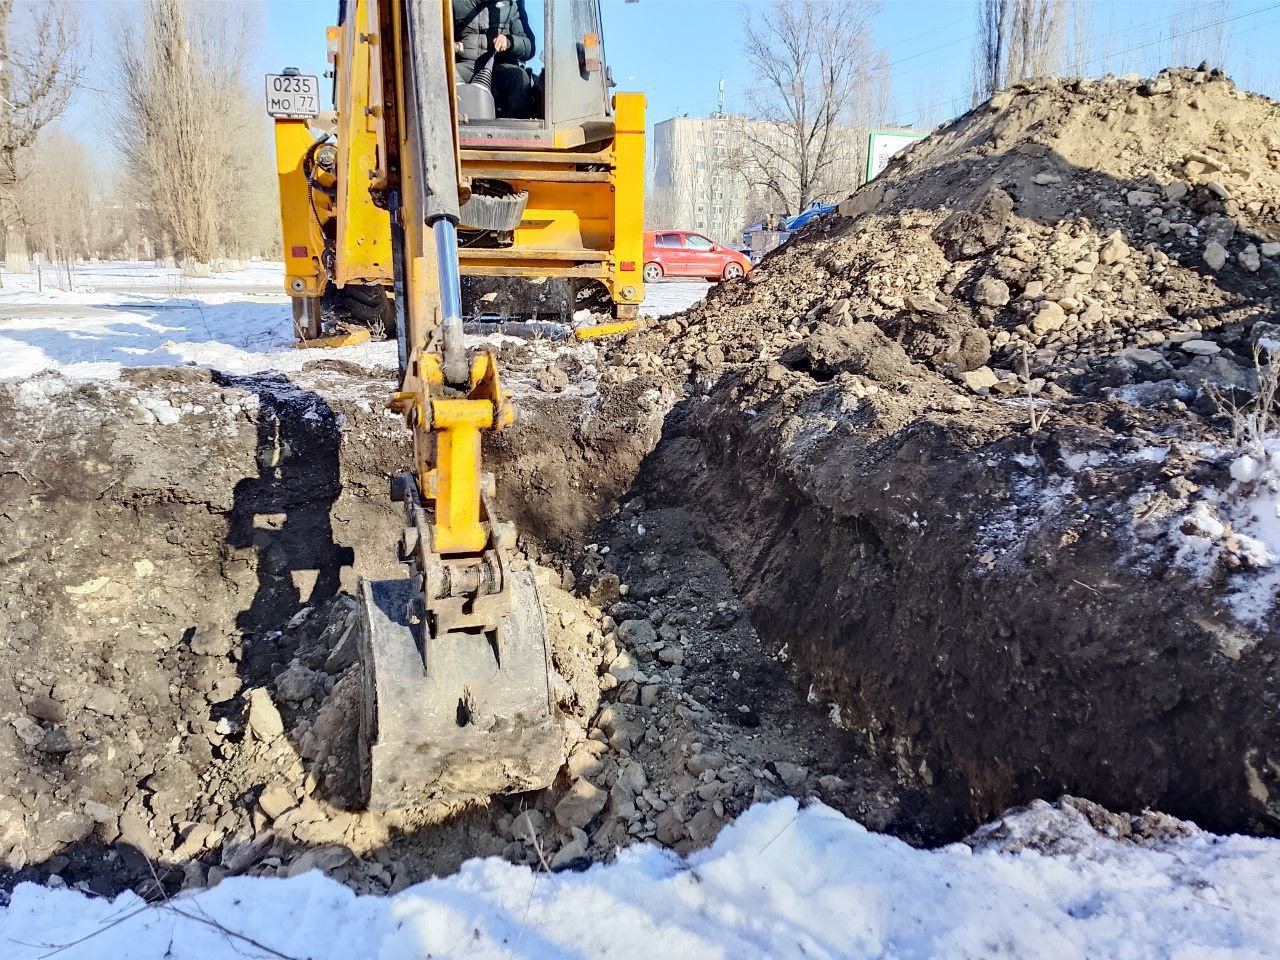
x=135 y=314
x=781 y=882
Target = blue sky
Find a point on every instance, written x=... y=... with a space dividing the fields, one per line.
x=676 y=51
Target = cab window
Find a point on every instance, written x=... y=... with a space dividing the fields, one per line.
x=667 y=240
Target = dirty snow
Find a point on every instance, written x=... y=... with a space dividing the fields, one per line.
x=1237 y=530
x=135 y=314
x=782 y=882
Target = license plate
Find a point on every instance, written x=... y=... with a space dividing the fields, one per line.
x=292 y=97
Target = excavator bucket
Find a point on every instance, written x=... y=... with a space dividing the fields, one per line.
x=457 y=717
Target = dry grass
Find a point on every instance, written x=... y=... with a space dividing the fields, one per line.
x=1254 y=420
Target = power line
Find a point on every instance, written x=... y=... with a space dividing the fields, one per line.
x=934 y=31
x=1106 y=56
x=1095 y=43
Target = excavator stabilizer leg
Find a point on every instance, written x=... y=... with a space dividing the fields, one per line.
x=470 y=716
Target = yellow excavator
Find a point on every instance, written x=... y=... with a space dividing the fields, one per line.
x=417 y=178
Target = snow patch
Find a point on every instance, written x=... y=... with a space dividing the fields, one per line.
x=1236 y=533
x=782 y=882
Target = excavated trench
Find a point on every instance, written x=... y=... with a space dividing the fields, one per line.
x=180 y=548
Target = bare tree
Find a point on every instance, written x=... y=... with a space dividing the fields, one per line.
x=814 y=60
x=1017 y=39
x=59 y=198
x=181 y=124
x=1081 y=34
x=39 y=69
x=1198 y=32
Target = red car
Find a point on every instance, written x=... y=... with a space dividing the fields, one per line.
x=681 y=253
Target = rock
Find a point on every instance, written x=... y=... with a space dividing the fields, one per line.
x=632 y=772
x=571 y=851
x=967 y=233
x=209 y=641
x=1215 y=255
x=264 y=719
x=1271 y=249
x=194 y=875
x=704 y=826
x=69 y=827
x=670 y=826
x=602 y=589
x=580 y=804
x=1249 y=258
x=1149 y=357
x=991 y=291
x=106 y=701
x=922 y=304
x=1046 y=179
x=671 y=655
x=700 y=763
x=830 y=785
x=1033 y=290
x=55 y=741
x=298 y=683
x=1201 y=348
x=528 y=826
x=1141 y=198
x=552 y=380
x=1156 y=87
x=622 y=801
x=173 y=787
x=584 y=759
x=326 y=859
x=275 y=799
x=100 y=812
x=637 y=633
x=1218 y=190
x=980 y=380
x=792 y=775
x=29 y=732
x=46 y=708
x=344 y=653
x=1175 y=190
x=1048 y=318
x=1114 y=249
x=623 y=667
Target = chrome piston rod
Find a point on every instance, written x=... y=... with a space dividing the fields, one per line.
x=456 y=368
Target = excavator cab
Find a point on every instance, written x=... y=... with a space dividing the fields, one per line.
x=571 y=91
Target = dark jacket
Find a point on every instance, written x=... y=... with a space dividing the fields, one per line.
x=477 y=22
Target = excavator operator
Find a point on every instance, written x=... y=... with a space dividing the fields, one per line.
x=496 y=34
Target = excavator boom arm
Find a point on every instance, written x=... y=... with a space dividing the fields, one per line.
x=458 y=701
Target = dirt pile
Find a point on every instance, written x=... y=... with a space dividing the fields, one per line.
x=1062 y=219
x=984 y=451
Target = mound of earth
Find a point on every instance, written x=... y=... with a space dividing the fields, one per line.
x=986 y=451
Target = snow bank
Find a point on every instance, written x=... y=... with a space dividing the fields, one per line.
x=137 y=315
x=781 y=882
